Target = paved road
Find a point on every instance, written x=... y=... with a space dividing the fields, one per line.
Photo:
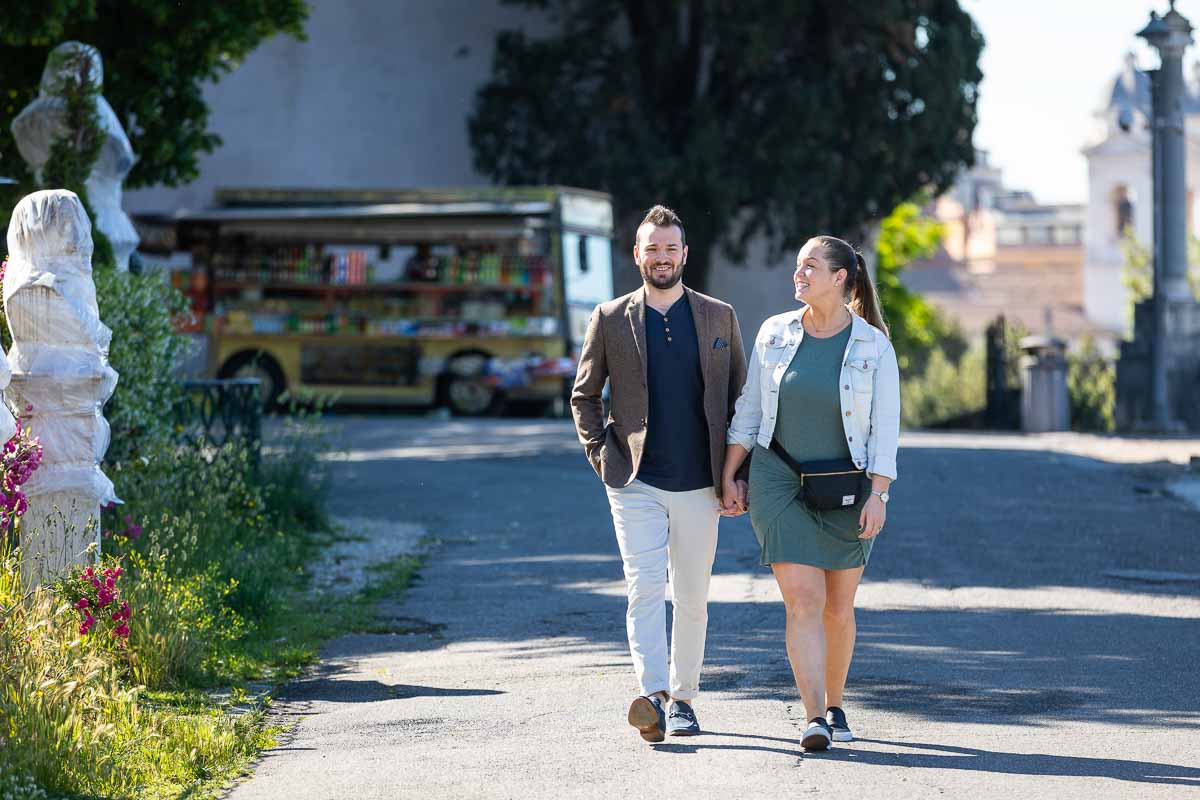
x=1006 y=648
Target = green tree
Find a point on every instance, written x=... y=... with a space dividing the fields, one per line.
x=777 y=117
x=916 y=326
x=1092 y=388
x=158 y=54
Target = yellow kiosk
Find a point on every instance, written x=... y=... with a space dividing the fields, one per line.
x=464 y=298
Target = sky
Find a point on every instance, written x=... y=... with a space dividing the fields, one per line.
x=1046 y=65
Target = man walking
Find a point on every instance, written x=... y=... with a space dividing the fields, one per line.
x=675 y=366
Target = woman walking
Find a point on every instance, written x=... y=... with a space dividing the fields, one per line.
x=821 y=411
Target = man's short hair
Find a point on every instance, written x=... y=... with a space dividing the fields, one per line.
x=663 y=217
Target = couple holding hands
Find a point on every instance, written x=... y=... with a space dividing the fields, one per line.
x=803 y=438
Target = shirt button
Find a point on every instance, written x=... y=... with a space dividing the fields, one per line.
x=668 y=330
x=850 y=438
x=668 y=340
x=847 y=386
x=847 y=413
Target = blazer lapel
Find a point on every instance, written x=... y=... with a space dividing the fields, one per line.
x=636 y=311
x=705 y=337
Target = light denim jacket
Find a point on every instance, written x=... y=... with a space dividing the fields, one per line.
x=869 y=386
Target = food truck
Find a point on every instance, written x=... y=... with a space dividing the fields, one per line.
x=467 y=299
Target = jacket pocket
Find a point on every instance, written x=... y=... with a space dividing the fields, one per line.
x=862 y=374
x=772 y=353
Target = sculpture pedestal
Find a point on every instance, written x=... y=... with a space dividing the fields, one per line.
x=60 y=379
x=1134 y=401
x=56 y=532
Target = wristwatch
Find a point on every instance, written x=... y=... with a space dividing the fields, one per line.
x=881 y=495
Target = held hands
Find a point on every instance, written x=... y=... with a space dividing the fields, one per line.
x=870 y=521
x=734 y=500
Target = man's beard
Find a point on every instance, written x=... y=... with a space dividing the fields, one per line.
x=662 y=281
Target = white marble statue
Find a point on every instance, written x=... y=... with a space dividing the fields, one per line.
x=61 y=378
x=42 y=122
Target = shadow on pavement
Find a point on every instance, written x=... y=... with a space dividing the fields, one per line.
x=529 y=567
x=324 y=688
x=966 y=758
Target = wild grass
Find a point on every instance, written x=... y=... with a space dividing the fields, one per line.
x=215 y=547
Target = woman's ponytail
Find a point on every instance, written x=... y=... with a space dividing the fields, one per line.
x=864 y=300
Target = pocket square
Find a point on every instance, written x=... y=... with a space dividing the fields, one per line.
x=719 y=343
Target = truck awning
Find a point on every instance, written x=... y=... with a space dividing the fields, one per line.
x=373 y=211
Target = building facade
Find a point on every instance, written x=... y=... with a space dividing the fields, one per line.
x=1121 y=184
x=377 y=97
x=1005 y=254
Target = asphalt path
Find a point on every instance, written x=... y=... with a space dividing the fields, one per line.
x=1027 y=626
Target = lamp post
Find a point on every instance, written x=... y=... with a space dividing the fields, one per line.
x=1169 y=35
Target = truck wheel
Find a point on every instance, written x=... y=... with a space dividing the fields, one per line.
x=257 y=364
x=467 y=391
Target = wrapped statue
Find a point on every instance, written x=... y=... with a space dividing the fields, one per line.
x=61 y=378
x=43 y=122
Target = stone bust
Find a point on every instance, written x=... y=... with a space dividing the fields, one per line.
x=40 y=123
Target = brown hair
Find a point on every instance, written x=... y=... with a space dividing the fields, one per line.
x=663 y=217
x=864 y=300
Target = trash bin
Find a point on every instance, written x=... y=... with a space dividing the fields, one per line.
x=1045 y=404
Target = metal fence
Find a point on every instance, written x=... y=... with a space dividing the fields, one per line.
x=217 y=412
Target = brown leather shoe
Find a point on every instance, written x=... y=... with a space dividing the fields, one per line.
x=646 y=714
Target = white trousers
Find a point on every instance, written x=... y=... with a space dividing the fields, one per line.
x=666 y=535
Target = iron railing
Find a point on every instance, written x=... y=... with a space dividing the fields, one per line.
x=217 y=412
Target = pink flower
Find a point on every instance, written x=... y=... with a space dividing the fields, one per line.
x=121 y=631
x=87 y=625
x=129 y=519
x=106 y=534
x=104 y=597
x=29 y=407
x=82 y=604
x=134 y=531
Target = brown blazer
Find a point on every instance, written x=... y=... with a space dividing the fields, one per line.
x=615 y=349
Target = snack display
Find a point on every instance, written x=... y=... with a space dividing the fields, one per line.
x=327 y=291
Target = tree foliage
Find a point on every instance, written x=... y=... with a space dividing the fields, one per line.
x=73 y=154
x=916 y=327
x=1137 y=271
x=778 y=117
x=158 y=54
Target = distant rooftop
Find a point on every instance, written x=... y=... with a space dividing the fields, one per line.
x=1130 y=90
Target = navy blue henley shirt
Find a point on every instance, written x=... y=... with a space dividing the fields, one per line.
x=676 y=457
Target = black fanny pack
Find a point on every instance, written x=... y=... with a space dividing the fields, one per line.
x=827 y=485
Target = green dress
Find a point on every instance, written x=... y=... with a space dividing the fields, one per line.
x=808 y=425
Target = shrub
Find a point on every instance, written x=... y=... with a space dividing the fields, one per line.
x=146 y=351
x=945 y=391
x=220 y=540
x=1092 y=387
